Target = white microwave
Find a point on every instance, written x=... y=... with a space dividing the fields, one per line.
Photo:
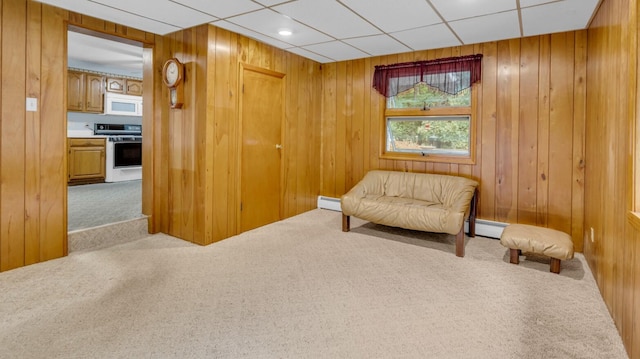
x=117 y=104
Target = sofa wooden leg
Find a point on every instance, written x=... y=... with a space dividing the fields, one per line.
x=555 y=266
x=472 y=214
x=460 y=243
x=346 y=223
x=514 y=256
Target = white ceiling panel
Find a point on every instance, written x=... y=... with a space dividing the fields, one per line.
x=328 y=16
x=221 y=8
x=428 y=37
x=527 y=3
x=161 y=10
x=398 y=15
x=114 y=15
x=252 y=34
x=310 y=55
x=336 y=50
x=556 y=17
x=462 y=9
x=270 y=2
x=500 y=26
x=268 y=22
x=377 y=45
x=323 y=28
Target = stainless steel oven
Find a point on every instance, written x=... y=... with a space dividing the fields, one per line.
x=123 y=152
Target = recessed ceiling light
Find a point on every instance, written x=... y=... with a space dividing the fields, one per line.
x=285 y=32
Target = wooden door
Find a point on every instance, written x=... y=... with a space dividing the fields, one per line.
x=95 y=98
x=262 y=114
x=75 y=91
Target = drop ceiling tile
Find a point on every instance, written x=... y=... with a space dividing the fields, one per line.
x=428 y=37
x=163 y=11
x=527 y=3
x=339 y=51
x=557 y=17
x=504 y=25
x=268 y=23
x=310 y=55
x=328 y=16
x=391 y=16
x=462 y=9
x=377 y=45
x=221 y=8
x=252 y=34
x=114 y=15
x=271 y=2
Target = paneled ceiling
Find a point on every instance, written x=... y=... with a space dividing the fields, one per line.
x=337 y=30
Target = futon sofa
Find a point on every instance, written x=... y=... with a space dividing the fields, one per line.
x=417 y=201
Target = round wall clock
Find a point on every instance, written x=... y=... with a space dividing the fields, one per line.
x=172 y=72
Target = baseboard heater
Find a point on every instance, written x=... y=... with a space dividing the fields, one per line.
x=484 y=228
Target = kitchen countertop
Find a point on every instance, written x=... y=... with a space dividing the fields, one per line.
x=83 y=133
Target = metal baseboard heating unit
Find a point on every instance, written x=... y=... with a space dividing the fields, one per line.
x=329 y=203
x=484 y=228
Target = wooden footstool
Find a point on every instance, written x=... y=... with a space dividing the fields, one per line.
x=549 y=242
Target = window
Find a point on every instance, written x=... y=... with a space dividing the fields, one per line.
x=428 y=135
x=428 y=114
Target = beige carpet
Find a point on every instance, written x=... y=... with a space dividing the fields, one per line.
x=301 y=288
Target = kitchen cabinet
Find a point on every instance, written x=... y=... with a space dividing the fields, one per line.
x=86 y=160
x=124 y=86
x=134 y=87
x=85 y=92
x=115 y=84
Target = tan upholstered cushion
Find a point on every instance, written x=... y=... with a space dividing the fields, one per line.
x=419 y=201
x=546 y=241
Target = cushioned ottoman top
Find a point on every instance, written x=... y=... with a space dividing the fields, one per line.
x=546 y=241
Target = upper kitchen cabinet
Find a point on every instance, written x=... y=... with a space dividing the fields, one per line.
x=134 y=87
x=115 y=84
x=124 y=86
x=85 y=92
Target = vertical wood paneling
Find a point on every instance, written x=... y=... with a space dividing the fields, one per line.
x=611 y=112
x=488 y=125
x=33 y=154
x=544 y=87
x=560 y=131
x=528 y=131
x=32 y=143
x=53 y=147
x=328 y=128
x=202 y=146
x=578 y=132
x=12 y=135
x=520 y=115
x=507 y=127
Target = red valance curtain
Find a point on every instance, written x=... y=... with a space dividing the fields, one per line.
x=450 y=75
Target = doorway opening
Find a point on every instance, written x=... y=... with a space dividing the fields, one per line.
x=104 y=129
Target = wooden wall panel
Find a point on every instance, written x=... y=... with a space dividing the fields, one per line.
x=200 y=142
x=610 y=132
x=527 y=112
x=33 y=195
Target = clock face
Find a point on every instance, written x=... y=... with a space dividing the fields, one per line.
x=172 y=73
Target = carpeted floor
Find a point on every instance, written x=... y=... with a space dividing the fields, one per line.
x=97 y=204
x=301 y=288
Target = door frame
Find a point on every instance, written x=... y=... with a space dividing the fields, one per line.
x=242 y=67
x=148 y=50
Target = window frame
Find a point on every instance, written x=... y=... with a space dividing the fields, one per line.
x=436 y=111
